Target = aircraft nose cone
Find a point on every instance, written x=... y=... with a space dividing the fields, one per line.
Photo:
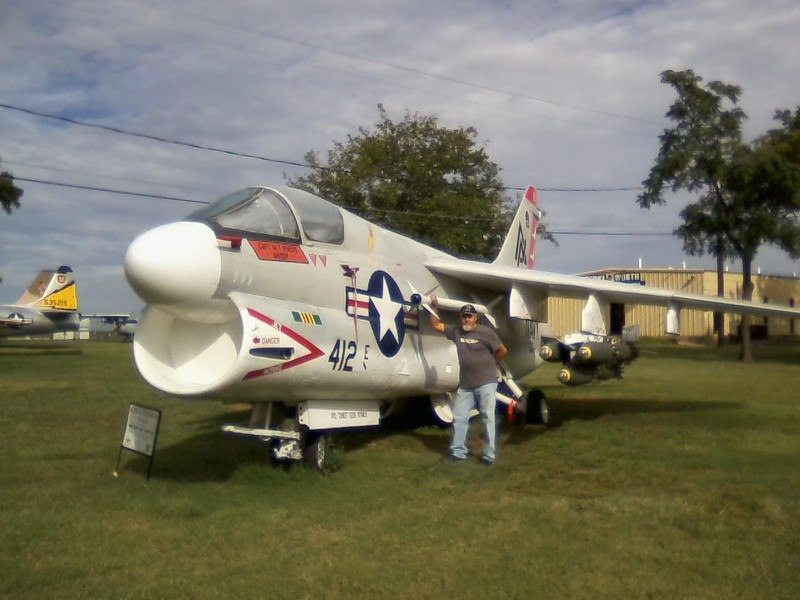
x=178 y=263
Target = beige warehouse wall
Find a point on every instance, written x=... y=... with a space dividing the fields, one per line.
x=565 y=314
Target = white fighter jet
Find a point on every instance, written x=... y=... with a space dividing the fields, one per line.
x=49 y=305
x=278 y=298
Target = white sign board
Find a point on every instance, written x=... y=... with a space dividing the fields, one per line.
x=141 y=430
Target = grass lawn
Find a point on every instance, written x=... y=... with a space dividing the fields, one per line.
x=680 y=481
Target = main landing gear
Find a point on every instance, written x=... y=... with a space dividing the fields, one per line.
x=519 y=406
x=522 y=407
x=288 y=439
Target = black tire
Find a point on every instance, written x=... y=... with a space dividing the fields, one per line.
x=316 y=451
x=538 y=409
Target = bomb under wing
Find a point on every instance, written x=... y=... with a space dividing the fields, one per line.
x=589 y=361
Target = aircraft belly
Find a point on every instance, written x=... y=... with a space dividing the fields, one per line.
x=268 y=349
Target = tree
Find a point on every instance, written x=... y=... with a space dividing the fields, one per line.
x=694 y=155
x=417 y=177
x=764 y=184
x=746 y=190
x=9 y=193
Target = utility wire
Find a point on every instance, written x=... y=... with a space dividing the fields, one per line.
x=156 y=138
x=108 y=190
x=399 y=67
x=152 y=137
x=350 y=208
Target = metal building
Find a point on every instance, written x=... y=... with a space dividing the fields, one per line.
x=565 y=314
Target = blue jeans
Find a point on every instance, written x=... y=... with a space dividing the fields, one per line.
x=463 y=402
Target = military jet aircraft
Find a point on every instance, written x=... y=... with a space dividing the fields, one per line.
x=124 y=325
x=49 y=305
x=276 y=297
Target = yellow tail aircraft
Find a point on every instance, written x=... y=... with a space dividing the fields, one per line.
x=50 y=304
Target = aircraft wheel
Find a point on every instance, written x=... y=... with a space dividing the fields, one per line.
x=442 y=409
x=316 y=451
x=538 y=408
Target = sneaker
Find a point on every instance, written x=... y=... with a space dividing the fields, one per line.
x=449 y=458
x=486 y=462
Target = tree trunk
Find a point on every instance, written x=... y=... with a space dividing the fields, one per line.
x=746 y=352
x=719 y=318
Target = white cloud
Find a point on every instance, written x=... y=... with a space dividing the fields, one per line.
x=564 y=94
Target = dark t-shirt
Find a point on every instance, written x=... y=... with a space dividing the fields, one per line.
x=476 y=350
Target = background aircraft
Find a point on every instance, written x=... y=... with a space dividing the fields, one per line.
x=126 y=329
x=124 y=325
x=50 y=304
x=277 y=297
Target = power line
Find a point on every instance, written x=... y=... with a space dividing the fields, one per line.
x=610 y=233
x=350 y=208
x=108 y=190
x=578 y=190
x=102 y=176
x=152 y=137
x=351 y=56
x=156 y=138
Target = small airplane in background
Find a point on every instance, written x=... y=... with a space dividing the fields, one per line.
x=124 y=325
x=126 y=329
x=49 y=305
x=317 y=317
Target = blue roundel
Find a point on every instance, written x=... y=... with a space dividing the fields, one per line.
x=386 y=312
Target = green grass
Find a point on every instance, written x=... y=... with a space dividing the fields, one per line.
x=681 y=481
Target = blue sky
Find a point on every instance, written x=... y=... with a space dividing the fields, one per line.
x=563 y=95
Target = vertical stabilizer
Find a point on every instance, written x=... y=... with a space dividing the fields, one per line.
x=52 y=290
x=519 y=247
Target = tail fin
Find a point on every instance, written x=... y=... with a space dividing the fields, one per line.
x=52 y=290
x=520 y=244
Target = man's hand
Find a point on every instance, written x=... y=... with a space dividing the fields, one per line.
x=436 y=323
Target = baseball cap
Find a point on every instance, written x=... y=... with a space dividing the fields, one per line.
x=468 y=309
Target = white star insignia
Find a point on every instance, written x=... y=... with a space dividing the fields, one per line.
x=387 y=312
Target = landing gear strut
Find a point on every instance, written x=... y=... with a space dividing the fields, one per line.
x=522 y=407
x=289 y=441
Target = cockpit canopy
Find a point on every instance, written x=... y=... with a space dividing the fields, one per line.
x=262 y=213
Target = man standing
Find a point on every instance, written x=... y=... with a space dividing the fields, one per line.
x=479 y=351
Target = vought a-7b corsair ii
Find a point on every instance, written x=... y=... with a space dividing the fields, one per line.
x=317 y=317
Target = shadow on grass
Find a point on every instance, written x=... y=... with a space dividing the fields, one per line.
x=771 y=351
x=207 y=456
x=38 y=349
x=213 y=456
x=588 y=410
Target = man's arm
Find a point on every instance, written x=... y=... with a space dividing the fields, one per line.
x=436 y=322
x=500 y=353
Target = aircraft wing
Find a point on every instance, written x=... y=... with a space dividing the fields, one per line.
x=110 y=318
x=541 y=284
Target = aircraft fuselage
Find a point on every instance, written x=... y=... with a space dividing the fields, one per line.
x=22 y=321
x=316 y=306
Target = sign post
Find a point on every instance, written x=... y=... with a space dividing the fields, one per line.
x=141 y=433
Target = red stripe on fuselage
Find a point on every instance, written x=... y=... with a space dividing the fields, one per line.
x=313 y=351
